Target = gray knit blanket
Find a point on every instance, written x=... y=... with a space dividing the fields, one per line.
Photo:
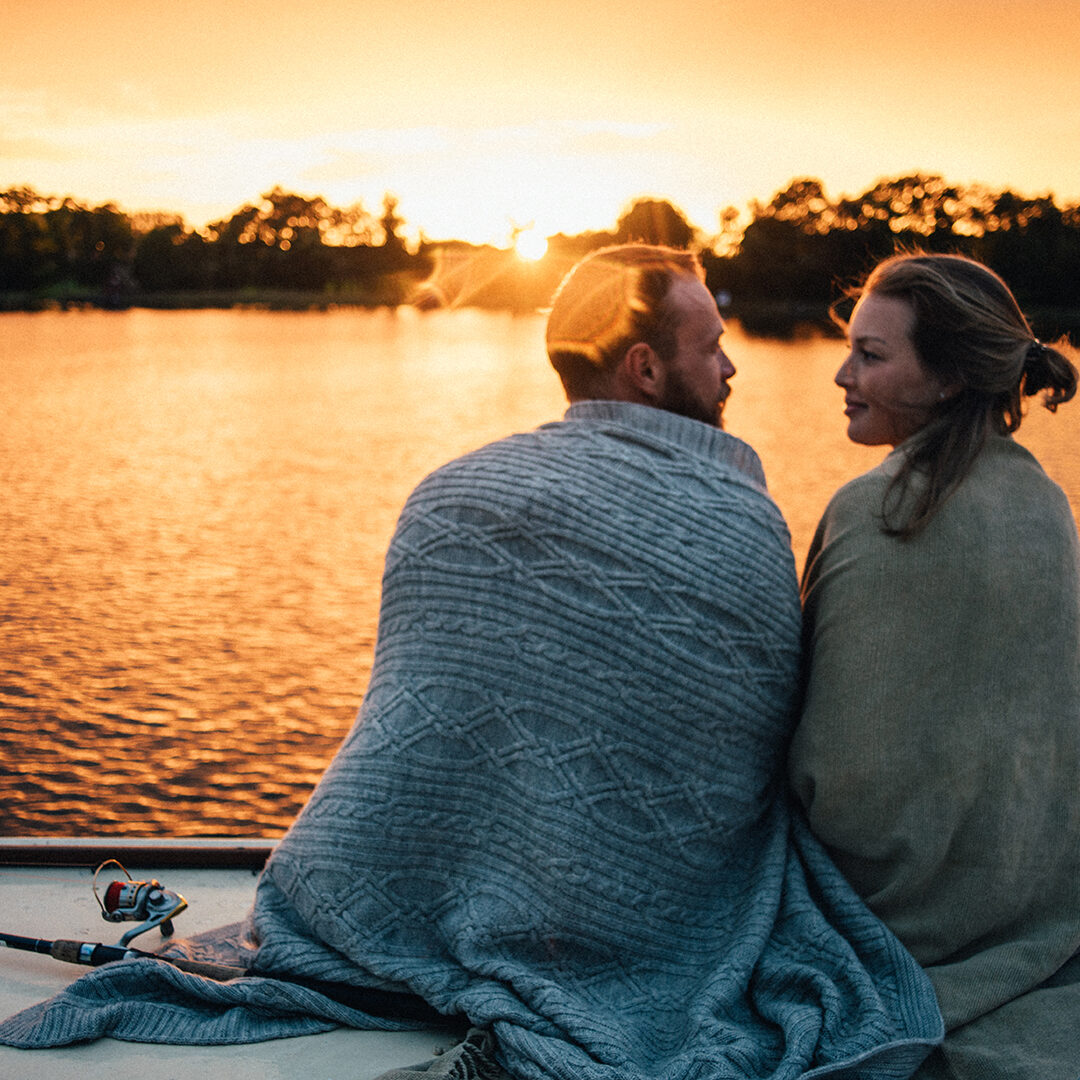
x=560 y=814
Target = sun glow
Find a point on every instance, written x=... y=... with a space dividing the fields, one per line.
x=195 y=125
x=530 y=245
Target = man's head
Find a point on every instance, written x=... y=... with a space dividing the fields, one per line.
x=636 y=323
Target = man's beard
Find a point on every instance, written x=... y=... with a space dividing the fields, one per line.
x=680 y=399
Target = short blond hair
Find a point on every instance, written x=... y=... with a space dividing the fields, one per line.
x=612 y=299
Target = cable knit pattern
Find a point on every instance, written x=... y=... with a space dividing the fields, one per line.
x=560 y=812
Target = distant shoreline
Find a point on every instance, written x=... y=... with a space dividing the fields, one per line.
x=386 y=291
x=202 y=301
x=762 y=318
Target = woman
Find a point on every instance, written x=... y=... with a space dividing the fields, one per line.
x=938 y=754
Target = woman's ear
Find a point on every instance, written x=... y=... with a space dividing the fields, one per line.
x=949 y=390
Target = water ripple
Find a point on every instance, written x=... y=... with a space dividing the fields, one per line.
x=195 y=511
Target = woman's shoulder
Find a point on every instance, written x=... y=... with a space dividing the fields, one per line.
x=863 y=492
x=1010 y=476
x=1003 y=452
x=851 y=524
x=1006 y=485
x=1006 y=482
x=1002 y=460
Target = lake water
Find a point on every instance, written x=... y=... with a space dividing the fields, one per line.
x=195 y=511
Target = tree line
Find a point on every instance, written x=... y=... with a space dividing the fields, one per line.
x=789 y=261
x=804 y=248
x=57 y=249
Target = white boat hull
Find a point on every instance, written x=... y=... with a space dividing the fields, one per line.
x=56 y=901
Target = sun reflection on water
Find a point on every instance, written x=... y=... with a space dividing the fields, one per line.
x=196 y=510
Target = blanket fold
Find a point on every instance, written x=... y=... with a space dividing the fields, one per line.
x=561 y=811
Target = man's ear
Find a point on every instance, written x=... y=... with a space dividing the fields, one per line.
x=643 y=372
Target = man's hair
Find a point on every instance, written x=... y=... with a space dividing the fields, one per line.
x=613 y=299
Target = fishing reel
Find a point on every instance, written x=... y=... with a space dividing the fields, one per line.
x=129 y=900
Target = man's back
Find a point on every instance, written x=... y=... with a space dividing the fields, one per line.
x=559 y=810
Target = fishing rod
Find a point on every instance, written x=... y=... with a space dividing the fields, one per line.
x=386 y=1004
x=128 y=900
x=94 y=954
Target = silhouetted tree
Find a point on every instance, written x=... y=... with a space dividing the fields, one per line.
x=390 y=222
x=782 y=255
x=799 y=248
x=795 y=252
x=24 y=262
x=655 y=221
x=46 y=241
x=170 y=258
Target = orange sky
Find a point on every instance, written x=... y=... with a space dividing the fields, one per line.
x=479 y=114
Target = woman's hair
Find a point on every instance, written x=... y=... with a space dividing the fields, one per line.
x=612 y=299
x=968 y=331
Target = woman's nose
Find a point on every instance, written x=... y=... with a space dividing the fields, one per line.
x=843 y=376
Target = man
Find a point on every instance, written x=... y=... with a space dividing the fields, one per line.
x=560 y=813
x=660 y=347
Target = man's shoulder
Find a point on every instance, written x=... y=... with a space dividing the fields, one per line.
x=594 y=432
x=500 y=454
x=666 y=434
x=590 y=468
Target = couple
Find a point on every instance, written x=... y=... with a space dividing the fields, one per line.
x=563 y=814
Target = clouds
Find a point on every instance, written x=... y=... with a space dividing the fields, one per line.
x=483 y=115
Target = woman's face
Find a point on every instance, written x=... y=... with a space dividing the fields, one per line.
x=888 y=392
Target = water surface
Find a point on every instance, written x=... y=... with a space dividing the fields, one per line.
x=195 y=511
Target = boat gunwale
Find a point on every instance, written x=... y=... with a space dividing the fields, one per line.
x=212 y=853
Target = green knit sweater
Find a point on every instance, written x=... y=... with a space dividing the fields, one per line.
x=938 y=754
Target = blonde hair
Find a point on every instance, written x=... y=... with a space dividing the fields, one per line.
x=612 y=299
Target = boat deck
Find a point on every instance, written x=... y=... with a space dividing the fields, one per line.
x=56 y=901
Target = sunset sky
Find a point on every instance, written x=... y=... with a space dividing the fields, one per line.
x=485 y=114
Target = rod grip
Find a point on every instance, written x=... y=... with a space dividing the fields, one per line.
x=85 y=952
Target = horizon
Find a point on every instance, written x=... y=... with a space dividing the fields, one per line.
x=488 y=119
x=530 y=243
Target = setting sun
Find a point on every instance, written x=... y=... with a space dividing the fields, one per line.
x=530 y=245
x=472 y=122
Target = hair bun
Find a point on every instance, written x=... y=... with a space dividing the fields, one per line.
x=1036 y=370
x=1047 y=368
